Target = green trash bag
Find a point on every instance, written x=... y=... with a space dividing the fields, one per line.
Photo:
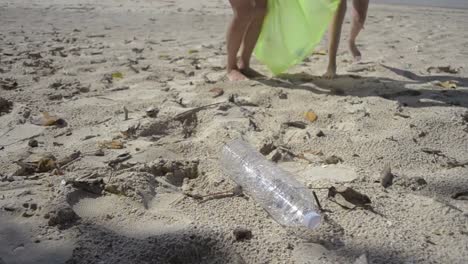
x=291 y=31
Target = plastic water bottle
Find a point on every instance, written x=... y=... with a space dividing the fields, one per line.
x=279 y=193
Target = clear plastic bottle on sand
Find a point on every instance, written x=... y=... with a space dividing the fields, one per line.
x=289 y=202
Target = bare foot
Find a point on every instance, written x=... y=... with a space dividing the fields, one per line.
x=251 y=73
x=236 y=75
x=331 y=73
x=355 y=51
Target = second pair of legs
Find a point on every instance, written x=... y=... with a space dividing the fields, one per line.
x=359 y=15
x=242 y=36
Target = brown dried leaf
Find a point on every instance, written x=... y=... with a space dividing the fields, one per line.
x=446 y=69
x=48 y=120
x=131 y=131
x=448 y=84
x=45 y=165
x=349 y=195
x=113 y=144
x=310 y=116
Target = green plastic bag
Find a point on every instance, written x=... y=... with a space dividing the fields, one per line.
x=291 y=31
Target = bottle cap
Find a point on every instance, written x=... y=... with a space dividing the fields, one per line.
x=312 y=220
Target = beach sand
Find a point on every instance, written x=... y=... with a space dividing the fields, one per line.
x=111 y=174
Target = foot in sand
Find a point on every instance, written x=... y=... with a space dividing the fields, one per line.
x=355 y=51
x=236 y=75
x=331 y=73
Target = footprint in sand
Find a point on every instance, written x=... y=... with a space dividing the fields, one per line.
x=129 y=218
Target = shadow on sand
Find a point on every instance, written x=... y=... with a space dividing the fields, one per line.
x=417 y=91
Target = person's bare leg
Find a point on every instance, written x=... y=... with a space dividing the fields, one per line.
x=242 y=17
x=359 y=13
x=334 y=39
x=251 y=38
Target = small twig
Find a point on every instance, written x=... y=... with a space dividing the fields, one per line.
x=123 y=88
x=402 y=115
x=69 y=163
x=21 y=140
x=103 y=121
x=291 y=138
x=180 y=102
x=317 y=201
x=192 y=111
x=79 y=8
x=454 y=163
x=61 y=134
x=125 y=113
x=8 y=131
x=111 y=176
x=133 y=68
x=96 y=36
x=433 y=151
x=194 y=196
x=105 y=98
x=216 y=196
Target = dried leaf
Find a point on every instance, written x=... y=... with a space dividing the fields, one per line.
x=113 y=144
x=320 y=52
x=116 y=145
x=120 y=158
x=45 y=165
x=48 y=120
x=311 y=116
x=446 y=69
x=130 y=132
x=117 y=75
x=349 y=195
x=164 y=57
x=448 y=84
x=432 y=151
x=217 y=92
x=296 y=124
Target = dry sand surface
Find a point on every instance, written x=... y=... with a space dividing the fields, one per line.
x=113 y=114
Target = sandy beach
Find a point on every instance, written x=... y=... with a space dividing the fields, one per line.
x=113 y=114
